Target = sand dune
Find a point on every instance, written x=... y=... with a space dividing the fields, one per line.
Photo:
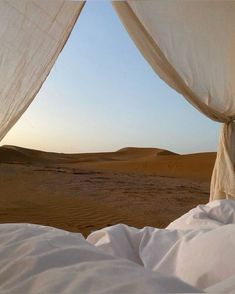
x=9 y=154
x=84 y=192
x=192 y=166
x=138 y=160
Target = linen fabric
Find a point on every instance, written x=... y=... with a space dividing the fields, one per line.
x=39 y=259
x=197 y=248
x=191 y=45
x=32 y=34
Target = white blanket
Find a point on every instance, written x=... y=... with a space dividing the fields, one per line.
x=38 y=259
x=194 y=252
x=198 y=248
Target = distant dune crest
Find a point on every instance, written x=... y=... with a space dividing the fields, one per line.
x=145 y=151
x=156 y=161
x=15 y=154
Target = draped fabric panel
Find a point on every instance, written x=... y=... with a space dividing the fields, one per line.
x=32 y=34
x=191 y=46
x=223 y=179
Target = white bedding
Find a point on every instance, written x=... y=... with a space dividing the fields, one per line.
x=194 y=252
x=198 y=248
x=37 y=259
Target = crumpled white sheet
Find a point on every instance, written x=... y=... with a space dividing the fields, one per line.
x=198 y=248
x=210 y=216
x=38 y=259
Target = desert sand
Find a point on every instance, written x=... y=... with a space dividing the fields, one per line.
x=85 y=192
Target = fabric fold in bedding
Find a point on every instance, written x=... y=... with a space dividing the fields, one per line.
x=198 y=248
x=38 y=259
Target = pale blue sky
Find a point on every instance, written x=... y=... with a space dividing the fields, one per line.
x=102 y=95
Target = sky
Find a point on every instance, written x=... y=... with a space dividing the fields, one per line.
x=102 y=95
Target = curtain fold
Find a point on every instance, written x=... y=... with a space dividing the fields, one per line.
x=32 y=34
x=191 y=46
x=223 y=180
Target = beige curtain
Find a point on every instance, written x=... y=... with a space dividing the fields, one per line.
x=32 y=34
x=191 y=46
